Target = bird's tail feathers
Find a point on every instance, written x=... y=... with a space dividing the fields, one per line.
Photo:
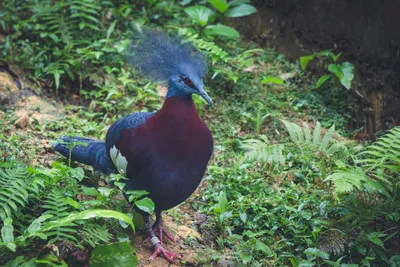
x=87 y=151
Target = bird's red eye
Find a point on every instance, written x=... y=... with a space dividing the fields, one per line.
x=188 y=82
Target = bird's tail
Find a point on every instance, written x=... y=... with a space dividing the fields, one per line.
x=87 y=151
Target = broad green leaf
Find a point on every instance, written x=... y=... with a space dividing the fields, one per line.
x=220 y=5
x=240 y=11
x=7 y=231
x=243 y=216
x=222 y=30
x=118 y=255
x=135 y=194
x=270 y=79
x=322 y=80
x=89 y=214
x=71 y=202
x=200 y=14
x=238 y=2
x=104 y=191
x=90 y=191
x=304 y=61
x=36 y=225
x=337 y=70
x=120 y=185
x=146 y=205
x=348 y=74
x=263 y=248
x=77 y=173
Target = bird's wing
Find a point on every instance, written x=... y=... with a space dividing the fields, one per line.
x=113 y=135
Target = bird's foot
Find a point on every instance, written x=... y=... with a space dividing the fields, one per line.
x=169 y=256
x=159 y=230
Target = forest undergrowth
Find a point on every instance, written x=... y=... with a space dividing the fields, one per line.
x=286 y=186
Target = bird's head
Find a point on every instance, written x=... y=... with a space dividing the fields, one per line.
x=171 y=60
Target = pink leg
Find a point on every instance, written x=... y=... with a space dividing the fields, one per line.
x=160 y=230
x=156 y=242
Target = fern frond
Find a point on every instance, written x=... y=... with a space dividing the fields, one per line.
x=327 y=138
x=295 y=133
x=317 y=134
x=333 y=242
x=17 y=186
x=307 y=133
x=383 y=156
x=264 y=152
x=57 y=206
x=95 y=235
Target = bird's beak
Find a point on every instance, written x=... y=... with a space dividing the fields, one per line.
x=206 y=97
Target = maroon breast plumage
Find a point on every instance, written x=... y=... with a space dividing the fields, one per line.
x=168 y=154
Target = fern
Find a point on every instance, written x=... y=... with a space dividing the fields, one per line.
x=95 y=235
x=57 y=206
x=325 y=148
x=379 y=169
x=384 y=154
x=333 y=242
x=17 y=186
x=264 y=152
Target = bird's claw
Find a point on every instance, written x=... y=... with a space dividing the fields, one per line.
x=169 y=256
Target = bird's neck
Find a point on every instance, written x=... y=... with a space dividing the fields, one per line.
x=179 y=102
x=174 y=91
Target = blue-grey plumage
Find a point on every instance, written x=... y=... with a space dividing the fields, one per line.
x=165 y=152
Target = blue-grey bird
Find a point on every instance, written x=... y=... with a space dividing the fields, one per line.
x=165 y=152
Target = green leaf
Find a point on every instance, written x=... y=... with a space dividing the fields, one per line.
x=304 y=61
x=348 y=74
x=71 y=202
x=263 y=248
x=120 y=185
x=238 y=2
x=104 y=191
x=322 y=80
x=220 y=5
x=135 y=194
x=240 y=11
x=200 y=14
x=323 y=53
x=146 y=205
x=335 y=57
x=243 y=216
x=344 y=72
x=111 y=29
x=118 y=255
x=89 y=214
x=337 y=70
x=7 y=231
x=90 y=191
x=395 y=261
x=77 y=173
x=270 y=79
x=306 y=263
x=222 y=30
x=374 y=237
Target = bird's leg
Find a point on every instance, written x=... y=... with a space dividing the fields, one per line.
x=158 y=247
x=158 y=227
